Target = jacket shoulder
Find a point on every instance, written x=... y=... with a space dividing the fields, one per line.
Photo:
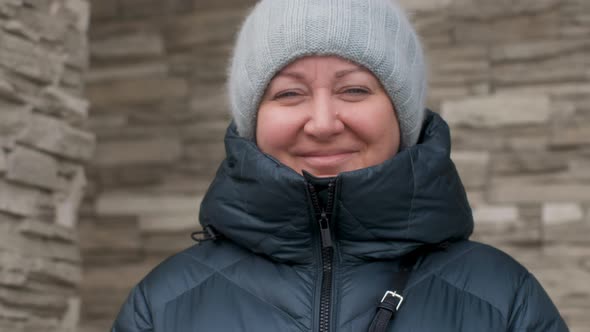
x=478 y=270
x=176 y=275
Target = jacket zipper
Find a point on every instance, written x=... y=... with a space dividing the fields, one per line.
x=323 y=218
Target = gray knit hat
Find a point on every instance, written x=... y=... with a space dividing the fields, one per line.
x=373 y=33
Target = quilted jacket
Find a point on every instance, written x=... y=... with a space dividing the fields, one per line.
x=296 y=254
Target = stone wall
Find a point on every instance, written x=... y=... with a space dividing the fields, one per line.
x=511 y=77
x=43 y=146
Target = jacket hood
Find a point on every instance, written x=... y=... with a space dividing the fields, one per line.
x=382 y=212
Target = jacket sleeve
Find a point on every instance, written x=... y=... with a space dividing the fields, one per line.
x=135 y=315
x=534 y=311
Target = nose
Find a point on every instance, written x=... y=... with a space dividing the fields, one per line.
x=324 y=121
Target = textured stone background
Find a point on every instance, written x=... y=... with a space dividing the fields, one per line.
x=44 y=144
x=511 y=77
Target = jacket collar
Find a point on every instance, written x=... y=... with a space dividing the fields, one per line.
x=382 y=212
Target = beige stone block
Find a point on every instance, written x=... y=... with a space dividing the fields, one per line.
x=13 y=240
x=3 y=161
x=54 y=136
x=571 y=136
x=148 y=151
x=13 y=270
x=18 y=28
x=171 y=222
x=50 y=303
x=13 y=119
x=9 y=7
x=560 y=213
x=536 y=49
x=29 y=59
x=68 y=202
x=140 y=44
x=497 y=110
x=204 y=27
x=472 y=167
x=32 y=168
x=76 y=49
x=495 y=214
x=19 y=200
x=509 y=190
x=135 y=203
x=50 y=24
x=149 y=69
x=80 y=10
x=64 y=104
x=139 y=91
x=553 y=89
x=104 y=9
x=508 y=29
x=47 y=231
x=529 y=162
x=167 y=243
x=110 y=240
x=482 y=9
x=580 y=169
x=528 y=73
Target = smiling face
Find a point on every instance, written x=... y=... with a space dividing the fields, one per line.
x=326 y=115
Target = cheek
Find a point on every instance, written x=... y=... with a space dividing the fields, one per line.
x=276 y=130
x=376 y=124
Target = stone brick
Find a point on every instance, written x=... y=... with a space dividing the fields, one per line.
x=529 y=162
x=171 y=222
x=18 y=199
x=559 y=213
x=482 y=9
x=47 y=231
x=498 y=110
x=32 y=168
x=54 y=136
x=553 y=89
x=104 y=10
x=571 y=136
x=149 y=151
x=68 y=202
x=187 y=30
x=57 y=271
x=140 y=91
x=508 y=29
x=425 y=5
x=579 y=169
x=515 y=191
x=473 y=167
x=137 y=45
x=49 y=303
x=29 y=59
x=134 y=204
x=149 y=69
x=64 y=104
x=536 y=49
x=51 y=25
x=167 y=242
x=13 y=119
x=535 y=72
x=497 y=214
x=12 y=270
x=9 y=7
x=13 y=240
x=18 y=28
x=76 y=47
x=110 y=240
x=80 y=9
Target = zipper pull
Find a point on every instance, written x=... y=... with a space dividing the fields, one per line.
x=325 y=230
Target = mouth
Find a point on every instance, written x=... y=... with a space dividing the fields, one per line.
x=327 y=161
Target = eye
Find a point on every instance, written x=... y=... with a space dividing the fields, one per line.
x=356 y=91
x=286 y=94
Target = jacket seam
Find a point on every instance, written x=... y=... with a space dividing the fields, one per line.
x=220 y=273
x=474 y=295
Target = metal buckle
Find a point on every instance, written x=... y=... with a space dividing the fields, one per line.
x=395 y=295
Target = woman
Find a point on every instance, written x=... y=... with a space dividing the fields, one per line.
x=337 y=207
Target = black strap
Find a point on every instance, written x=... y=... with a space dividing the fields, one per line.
x=209 y=233
x=393 y=299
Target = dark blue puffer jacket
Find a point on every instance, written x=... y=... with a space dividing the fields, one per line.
x=270 y=273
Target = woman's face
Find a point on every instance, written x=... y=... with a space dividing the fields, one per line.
x=326 y=115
